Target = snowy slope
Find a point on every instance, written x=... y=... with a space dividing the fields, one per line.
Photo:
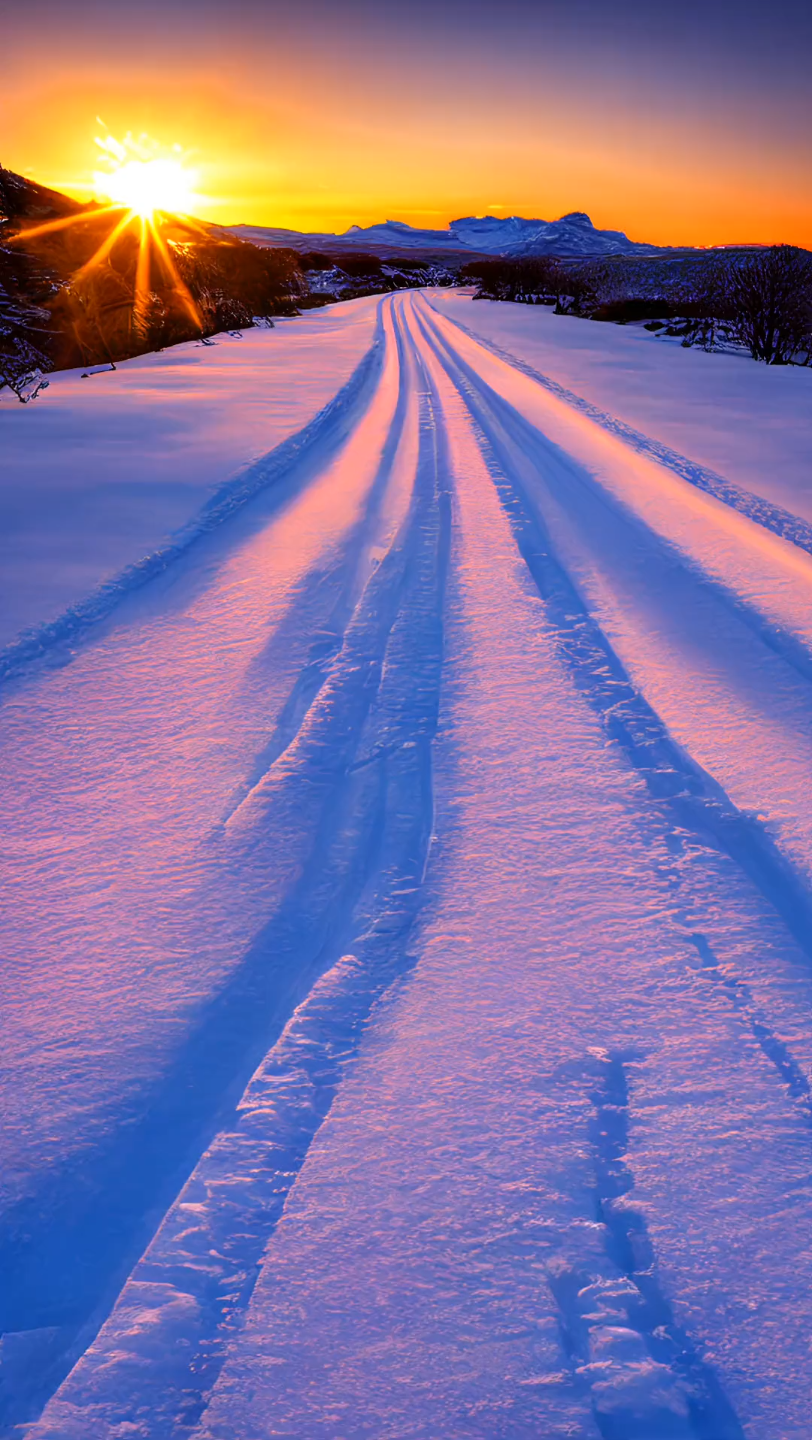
x=102 y=470
x=720 y=413
x=407 y=985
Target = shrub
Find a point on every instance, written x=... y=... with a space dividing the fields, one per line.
x=622 y=312
x=360 y=264
x=523 y=279
x=771 y=303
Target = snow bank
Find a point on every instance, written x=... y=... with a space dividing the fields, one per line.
x=750 y=423
x=99 y=471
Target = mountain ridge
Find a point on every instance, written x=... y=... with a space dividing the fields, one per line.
x=572 y=235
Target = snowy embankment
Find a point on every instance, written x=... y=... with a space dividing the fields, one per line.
x=109 y=464
x=408 y=981
x=746 y=422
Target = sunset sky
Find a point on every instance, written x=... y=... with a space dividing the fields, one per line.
x=679 y=123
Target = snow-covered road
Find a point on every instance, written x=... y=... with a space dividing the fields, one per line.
x=408 y=945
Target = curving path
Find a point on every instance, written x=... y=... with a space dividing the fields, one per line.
x=408 y=977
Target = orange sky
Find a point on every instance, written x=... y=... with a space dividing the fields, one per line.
x=424 y=131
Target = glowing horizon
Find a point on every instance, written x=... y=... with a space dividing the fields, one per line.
x=701 y=221
x=352 y=114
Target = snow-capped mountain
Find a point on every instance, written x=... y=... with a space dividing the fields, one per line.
x=391 y=235
x=573 y=234
x=397 y=232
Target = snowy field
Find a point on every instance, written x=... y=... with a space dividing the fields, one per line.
x=111 y=463
x=407 y=985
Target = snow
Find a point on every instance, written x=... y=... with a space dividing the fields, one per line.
x=127 y=888
x=99 y=471
x=407 y=993
x=573 y=234
x=747 y=422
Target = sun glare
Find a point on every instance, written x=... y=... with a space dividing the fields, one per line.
x=149 y=185
x=143 y=186
x=139 y=176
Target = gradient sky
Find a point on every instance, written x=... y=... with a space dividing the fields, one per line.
x=679 y=123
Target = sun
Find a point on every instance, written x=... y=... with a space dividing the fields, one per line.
x=142 y=186
x=145 y=186
x=139 y=175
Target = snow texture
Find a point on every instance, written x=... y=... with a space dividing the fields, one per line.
x=119 y=460
x=407 y=989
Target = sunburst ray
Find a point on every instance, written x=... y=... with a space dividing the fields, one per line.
x=138 y=181
x=106 y=246
x=52 y=225
x=182 y=290
x=142 y=280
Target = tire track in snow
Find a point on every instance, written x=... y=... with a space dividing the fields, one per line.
x=667 y=556
x=64 y=1257
x=351 y=569
x=293 y=461
x=65 y=1251
x=703 y=808
x=162 y=1347
x=689 y=801
x=361 y=743
x=643 y=1373
x=771 y=1045
x=673 y=778
x=771 y=517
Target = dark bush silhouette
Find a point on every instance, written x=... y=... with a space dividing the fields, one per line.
x=624 y=312
x=529 y=279
x=24 y=324
x=577 y=291
x=316 y=300
x=316 y=260
x=760 y=299
x=770 y=299
x=230 y=284
x=533 y=280
x=360 y=264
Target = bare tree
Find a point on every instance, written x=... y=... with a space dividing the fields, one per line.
x=23 y=334
x=771 y=298
x=576 y=290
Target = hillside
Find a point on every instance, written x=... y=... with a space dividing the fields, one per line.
x=83 y=284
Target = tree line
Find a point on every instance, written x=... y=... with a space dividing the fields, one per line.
x=760 y=299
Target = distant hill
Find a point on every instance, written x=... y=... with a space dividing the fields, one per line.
x=572 y=236
x=389 y=241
